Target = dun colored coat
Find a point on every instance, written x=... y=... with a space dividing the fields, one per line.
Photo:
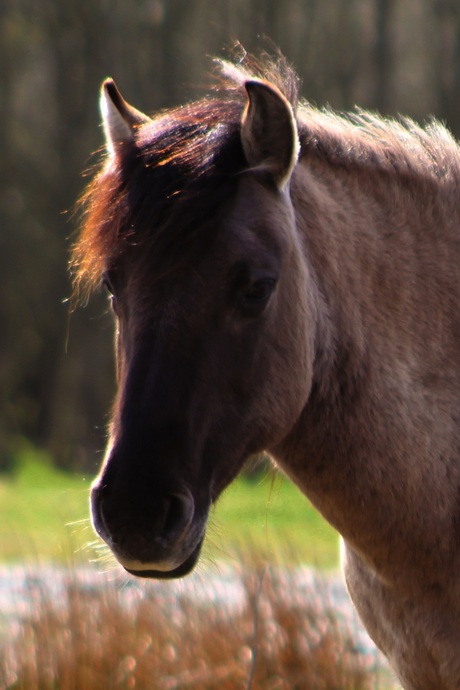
x=287 y=280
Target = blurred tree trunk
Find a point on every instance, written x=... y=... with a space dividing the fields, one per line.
x=446 y=61
x=348 y=51
x=383 y=55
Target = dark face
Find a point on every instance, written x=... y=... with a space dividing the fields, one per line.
x=214 y=364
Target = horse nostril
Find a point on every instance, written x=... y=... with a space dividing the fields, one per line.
x=178 y=516
x=164 y=520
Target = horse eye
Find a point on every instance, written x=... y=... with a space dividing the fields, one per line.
x=108 y=284
x=111 y=282
x=256 y=297
x=259 y=291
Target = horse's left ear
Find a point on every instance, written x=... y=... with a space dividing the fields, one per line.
x=118 y=118
x=269 y=132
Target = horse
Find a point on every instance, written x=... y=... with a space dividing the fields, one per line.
x=285 y=279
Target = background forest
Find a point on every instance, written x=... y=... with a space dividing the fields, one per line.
x=56 y=369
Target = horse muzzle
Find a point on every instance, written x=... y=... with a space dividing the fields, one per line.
x=161 y=538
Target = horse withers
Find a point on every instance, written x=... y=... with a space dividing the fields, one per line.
x=287 y=280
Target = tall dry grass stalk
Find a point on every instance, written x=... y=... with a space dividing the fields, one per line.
x=100 y=638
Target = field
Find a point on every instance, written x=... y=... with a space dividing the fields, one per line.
x=65 y=633
x=158 y=637
x=44 y=513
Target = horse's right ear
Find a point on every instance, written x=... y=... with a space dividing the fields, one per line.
x=269 y=132
x=119 y=119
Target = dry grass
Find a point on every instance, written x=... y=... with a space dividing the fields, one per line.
x=112 y=637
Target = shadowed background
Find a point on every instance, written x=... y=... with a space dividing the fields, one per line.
x=56 y=372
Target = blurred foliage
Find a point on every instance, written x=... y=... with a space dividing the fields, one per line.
x=68 y=623
x=56 y=371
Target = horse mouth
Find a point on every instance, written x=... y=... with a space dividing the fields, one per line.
x=177 y=572
x=166 y=565
x=166 y=550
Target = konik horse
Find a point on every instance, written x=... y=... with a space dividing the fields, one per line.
x=287 y=280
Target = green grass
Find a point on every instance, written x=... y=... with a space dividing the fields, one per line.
x=271 y=515
x=44 y=514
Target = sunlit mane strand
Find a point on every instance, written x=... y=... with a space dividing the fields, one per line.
x=361 y=138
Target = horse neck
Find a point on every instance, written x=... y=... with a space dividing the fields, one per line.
x=373 y=243
x=363 y=427
x=334 y=217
